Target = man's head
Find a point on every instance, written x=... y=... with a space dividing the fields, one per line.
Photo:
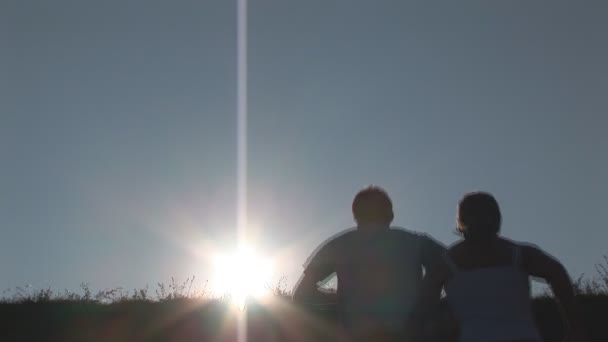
x=372 y=205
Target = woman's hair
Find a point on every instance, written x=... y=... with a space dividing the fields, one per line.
x=373 y=205
x=478 y=216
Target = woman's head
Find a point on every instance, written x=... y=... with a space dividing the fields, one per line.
x=478 y=216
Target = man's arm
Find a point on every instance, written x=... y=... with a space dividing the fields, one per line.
x=428 y=299
x=320 y=267
x=432 y=253
x=307 y=289
x=435 y=272
x=539 y=264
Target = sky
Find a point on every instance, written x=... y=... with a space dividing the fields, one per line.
x=118 y=130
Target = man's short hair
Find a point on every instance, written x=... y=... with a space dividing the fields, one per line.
x=373 y=205
x=479 y=215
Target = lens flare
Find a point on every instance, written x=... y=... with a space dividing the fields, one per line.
x=241 y=275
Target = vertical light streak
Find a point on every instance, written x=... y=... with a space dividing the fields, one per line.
x=242 y=117
x=242 y=142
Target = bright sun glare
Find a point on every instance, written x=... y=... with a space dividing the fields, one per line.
x=241 y=275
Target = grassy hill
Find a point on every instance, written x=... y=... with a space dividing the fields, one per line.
x=183 y=319
x=178 y=314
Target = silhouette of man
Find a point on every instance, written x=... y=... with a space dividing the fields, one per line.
x=379 y=268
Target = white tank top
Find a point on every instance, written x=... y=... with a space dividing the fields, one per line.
x=492 y=303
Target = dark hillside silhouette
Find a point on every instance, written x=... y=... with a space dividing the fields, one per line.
x=192 y=320
x=177 y=314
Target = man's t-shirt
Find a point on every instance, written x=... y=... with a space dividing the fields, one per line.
x=379 y=273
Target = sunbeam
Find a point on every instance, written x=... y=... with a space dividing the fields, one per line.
x=242 y=137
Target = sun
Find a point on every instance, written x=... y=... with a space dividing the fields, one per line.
x=241 y=274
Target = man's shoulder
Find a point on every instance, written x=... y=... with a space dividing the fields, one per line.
x=336 y=239
x=408 y=233
x=327 y=249
x=342 y=235
x=428 y=245
x=457 y=244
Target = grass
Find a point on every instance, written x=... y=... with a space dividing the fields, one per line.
x=186 y=290
x=597 y=285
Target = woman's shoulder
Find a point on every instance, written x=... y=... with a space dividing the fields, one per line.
x=499 y=251
x=500 y=242
x=522 y=247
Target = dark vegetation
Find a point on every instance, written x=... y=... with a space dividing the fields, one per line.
x=177 y=312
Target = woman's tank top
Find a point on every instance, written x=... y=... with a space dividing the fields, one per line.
x=492 y=303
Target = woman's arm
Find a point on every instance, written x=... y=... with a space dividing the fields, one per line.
x=541 y=265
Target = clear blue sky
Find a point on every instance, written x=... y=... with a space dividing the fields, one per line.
x=118 y=128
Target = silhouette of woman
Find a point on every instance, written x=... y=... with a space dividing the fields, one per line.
x=486 y=280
